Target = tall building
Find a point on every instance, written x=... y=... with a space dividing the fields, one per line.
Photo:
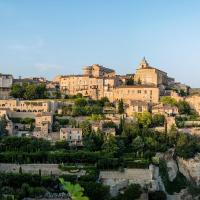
x=147 y=75
x=96 y=82
x=6 y=81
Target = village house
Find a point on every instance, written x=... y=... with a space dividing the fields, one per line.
x=73 y=136
x=134 y=106
x=165 y=109
x=43 y=124
x=35 y=106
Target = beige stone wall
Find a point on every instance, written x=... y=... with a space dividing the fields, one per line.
x=4 y=93
x=130 y=110
x=72 y=135
x=98 y=71
x=194 y=102
x=127 y=93
x=25 y=106
x=150 y=76
x=85 y=85
x=93 y=87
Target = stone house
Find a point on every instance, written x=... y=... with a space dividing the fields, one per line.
x=135 y=106
x=165 y=109
x=73 y=136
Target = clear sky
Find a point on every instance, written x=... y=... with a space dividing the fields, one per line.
x=51 y=37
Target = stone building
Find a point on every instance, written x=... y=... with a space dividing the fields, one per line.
x=35 y=106
x=43 y=124
x=97 y=70
x=73 y=136
x=146 y=93
x=135 y=106
x=147 y=75
x=96 y=82
x=6 y=81
x=165 y=109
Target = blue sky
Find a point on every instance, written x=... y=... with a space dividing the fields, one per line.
x=51 y=37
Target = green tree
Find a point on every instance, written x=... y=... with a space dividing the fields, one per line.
x=110 y=145
x=184 y=107
x=138 y=144
x=80 y=102
x=75 y=191
x=167 y=100
x=120 y=106
x=158 y=120
x=17 y=91
x=3 y=125
x=30 y=92
x=40 y=91
x=132 y=192
x=144 y=119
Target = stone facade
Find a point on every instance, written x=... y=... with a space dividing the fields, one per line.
x=28 y=106
x=136 y=107
x=43 y=124
x=119 y=180
x=73 y=136
x=148 y=94
x=165 y=109
x=97 y=70
x=6 y=81
x=147 y=75
x=97 y=82
x=194 y=101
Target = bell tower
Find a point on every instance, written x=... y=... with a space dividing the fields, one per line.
x=143 y=64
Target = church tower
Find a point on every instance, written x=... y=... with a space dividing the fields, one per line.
x=143 y=64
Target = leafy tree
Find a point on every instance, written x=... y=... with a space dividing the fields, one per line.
x=3 y=124
x=138 y=144
x=17 y=91
x=184 y=107
x=132 y=192
x=144 y=119
x=86 y=127
x=96 y=191
x=75 y=191
x=157 y=195
x=110 y=145
x=120 y=106
x=158 y=120
x=40 y=91
x=80 y=102
x=172 y=135
x=130 y=81
x=167 y=100
x=93 y=141
x=30 y=92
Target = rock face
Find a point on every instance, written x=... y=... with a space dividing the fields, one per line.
x=182 y=195
x=172 y=167
x=190 y=168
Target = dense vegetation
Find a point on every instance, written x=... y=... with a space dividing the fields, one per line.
x=29 y=91
x=85 y=107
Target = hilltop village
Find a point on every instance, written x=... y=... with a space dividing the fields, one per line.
x=133 y=136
